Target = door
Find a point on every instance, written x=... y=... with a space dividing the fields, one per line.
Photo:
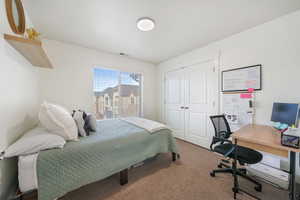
x=174 y=102
x=201 y=101
x=191 y=96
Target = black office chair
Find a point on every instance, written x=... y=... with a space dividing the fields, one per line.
x=221 y=145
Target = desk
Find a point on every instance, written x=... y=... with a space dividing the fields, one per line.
x=267 y=139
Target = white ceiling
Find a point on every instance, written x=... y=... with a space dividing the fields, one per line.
x=181 y=25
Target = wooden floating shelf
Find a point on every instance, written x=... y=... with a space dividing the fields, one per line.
x=32 y=50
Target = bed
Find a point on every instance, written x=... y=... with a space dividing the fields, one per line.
x=113 y=148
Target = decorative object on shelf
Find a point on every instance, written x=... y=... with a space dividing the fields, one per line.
x=16 y=16
x=32 y=34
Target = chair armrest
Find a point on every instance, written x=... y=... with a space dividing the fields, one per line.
x=230 y=151
x=226 y=134
x=218 y=139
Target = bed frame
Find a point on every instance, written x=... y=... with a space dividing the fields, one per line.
x=32 y=195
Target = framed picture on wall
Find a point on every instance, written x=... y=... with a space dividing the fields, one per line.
x=241 y=79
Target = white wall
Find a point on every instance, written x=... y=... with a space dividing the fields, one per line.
x=70 y=83
x=18 y=102
x=275 y=45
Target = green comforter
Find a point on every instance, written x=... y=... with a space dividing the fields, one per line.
x=115 y=146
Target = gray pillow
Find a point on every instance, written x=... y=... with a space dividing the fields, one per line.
x=78 y=117
x=90 y=123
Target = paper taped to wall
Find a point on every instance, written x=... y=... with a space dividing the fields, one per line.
x=239 y=111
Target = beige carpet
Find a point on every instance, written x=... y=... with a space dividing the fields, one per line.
x=187 y=179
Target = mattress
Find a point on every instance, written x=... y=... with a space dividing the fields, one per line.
x=27 y=173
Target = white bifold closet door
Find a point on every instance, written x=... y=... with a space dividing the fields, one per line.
x=191 y=96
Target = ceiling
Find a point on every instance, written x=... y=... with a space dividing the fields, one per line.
x=181 y=25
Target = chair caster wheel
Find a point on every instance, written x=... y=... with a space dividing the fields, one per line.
x=212 y=174
x=258 y=188
x=220 y=166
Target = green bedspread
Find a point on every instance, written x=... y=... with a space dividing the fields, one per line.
x=115 y=146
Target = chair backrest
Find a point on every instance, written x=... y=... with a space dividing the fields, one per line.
x=222 y=128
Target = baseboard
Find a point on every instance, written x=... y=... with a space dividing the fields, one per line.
x=197 y=145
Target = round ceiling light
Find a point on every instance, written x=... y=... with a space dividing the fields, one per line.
x=145 y=24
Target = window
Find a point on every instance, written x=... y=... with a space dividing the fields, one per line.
x=116 y=100
x=106 y=101
x=117 y=94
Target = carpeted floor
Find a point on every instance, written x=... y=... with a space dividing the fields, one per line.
x=186 y=179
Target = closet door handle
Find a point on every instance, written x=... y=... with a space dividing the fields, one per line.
x=186 y=108
x=182 y=107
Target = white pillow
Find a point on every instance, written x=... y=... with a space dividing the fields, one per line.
x=33 y=141
x=58 y=120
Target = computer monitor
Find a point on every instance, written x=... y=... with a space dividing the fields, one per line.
x=286 y=113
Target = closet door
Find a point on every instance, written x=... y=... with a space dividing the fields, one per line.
x=201 y=101
x=174 y=102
